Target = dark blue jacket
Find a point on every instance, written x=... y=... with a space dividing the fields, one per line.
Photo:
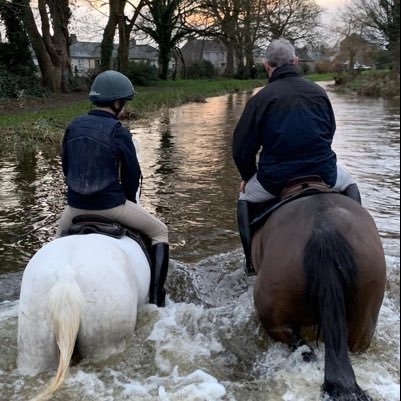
x=292 y=121
x=99 y=162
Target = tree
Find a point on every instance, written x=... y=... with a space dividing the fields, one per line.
x=295 y=20
x=51 y=46
x=118 y=18
x=242 y=24
x=223 y=18
x=356 y=49
x=165 y=21
x=13 y=55
x=379 y=22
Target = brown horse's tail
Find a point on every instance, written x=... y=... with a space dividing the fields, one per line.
x=331 y=273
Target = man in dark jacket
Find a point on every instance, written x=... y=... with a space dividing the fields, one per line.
x=103 y=173
x=292 y=122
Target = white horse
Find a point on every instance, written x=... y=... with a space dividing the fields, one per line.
x=79 y=292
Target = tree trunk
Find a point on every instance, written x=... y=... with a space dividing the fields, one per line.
x=118 y=18
x=49 y=77
x=248 y=43
x=15 y=57
x=123 y=46
x=107 y=45
x=61 y=14
x=52 y=52
x=229 y=71
x=164 y=61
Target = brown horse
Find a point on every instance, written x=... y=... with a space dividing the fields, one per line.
x=320 y=262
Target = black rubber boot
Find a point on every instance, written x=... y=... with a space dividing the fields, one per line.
x=159 y=256
x=352 y=191
x=245 y=234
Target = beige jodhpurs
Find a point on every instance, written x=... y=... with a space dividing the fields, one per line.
x=130 y=214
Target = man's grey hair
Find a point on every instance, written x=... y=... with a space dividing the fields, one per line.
x=279 y=52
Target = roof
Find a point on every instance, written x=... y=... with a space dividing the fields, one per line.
x=304 y=56
x=92 y=50
x=85 y=50
x=204 y=45
x=143 y=52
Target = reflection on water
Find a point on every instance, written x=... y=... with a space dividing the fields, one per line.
x=31 y=195
x=207 y=344
x=367 y=142
x=190 y=180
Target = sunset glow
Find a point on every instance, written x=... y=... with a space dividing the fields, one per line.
x=331 y=3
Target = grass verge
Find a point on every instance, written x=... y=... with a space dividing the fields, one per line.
x=47 y=125
x=380 y=83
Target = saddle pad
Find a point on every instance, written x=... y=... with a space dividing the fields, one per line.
x=268 y=208
x=94 y=224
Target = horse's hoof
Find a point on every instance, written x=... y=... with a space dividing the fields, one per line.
x=309 y=356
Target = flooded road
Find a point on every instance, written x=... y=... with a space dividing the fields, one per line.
x=206 y=345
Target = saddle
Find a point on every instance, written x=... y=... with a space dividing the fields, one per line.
x=95 y=224
x=296 y=188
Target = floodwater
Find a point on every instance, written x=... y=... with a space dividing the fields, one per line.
x=206 y=345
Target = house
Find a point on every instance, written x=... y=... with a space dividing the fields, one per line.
x=258 y=55
x=143 y=54
x=85 y=56
x=198 y=50
x=306 y=60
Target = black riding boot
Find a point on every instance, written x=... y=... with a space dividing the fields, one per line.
x=159 y=257
x=245 y=234
x=352 y=192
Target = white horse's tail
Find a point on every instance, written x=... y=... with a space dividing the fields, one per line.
x=65 y=310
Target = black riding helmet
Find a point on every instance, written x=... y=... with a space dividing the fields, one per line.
x=110 y=86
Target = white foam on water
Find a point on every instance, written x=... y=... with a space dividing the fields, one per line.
x=216 y=351
x=179 y=336
x=92 y=385
x=197 y=386
x=302 y=381
x=376 y=370
x=286 y=371
x=8 y=310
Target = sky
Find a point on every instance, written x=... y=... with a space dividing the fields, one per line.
x=93 y=22
x=331 y=3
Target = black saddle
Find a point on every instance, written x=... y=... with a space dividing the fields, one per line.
x=95 y=224
x=295 y=189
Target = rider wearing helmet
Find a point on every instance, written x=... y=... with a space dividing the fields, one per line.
x=103 y=174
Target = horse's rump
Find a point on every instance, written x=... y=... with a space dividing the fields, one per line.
x=91 y=282
x=320 y=261
x=278 y=251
